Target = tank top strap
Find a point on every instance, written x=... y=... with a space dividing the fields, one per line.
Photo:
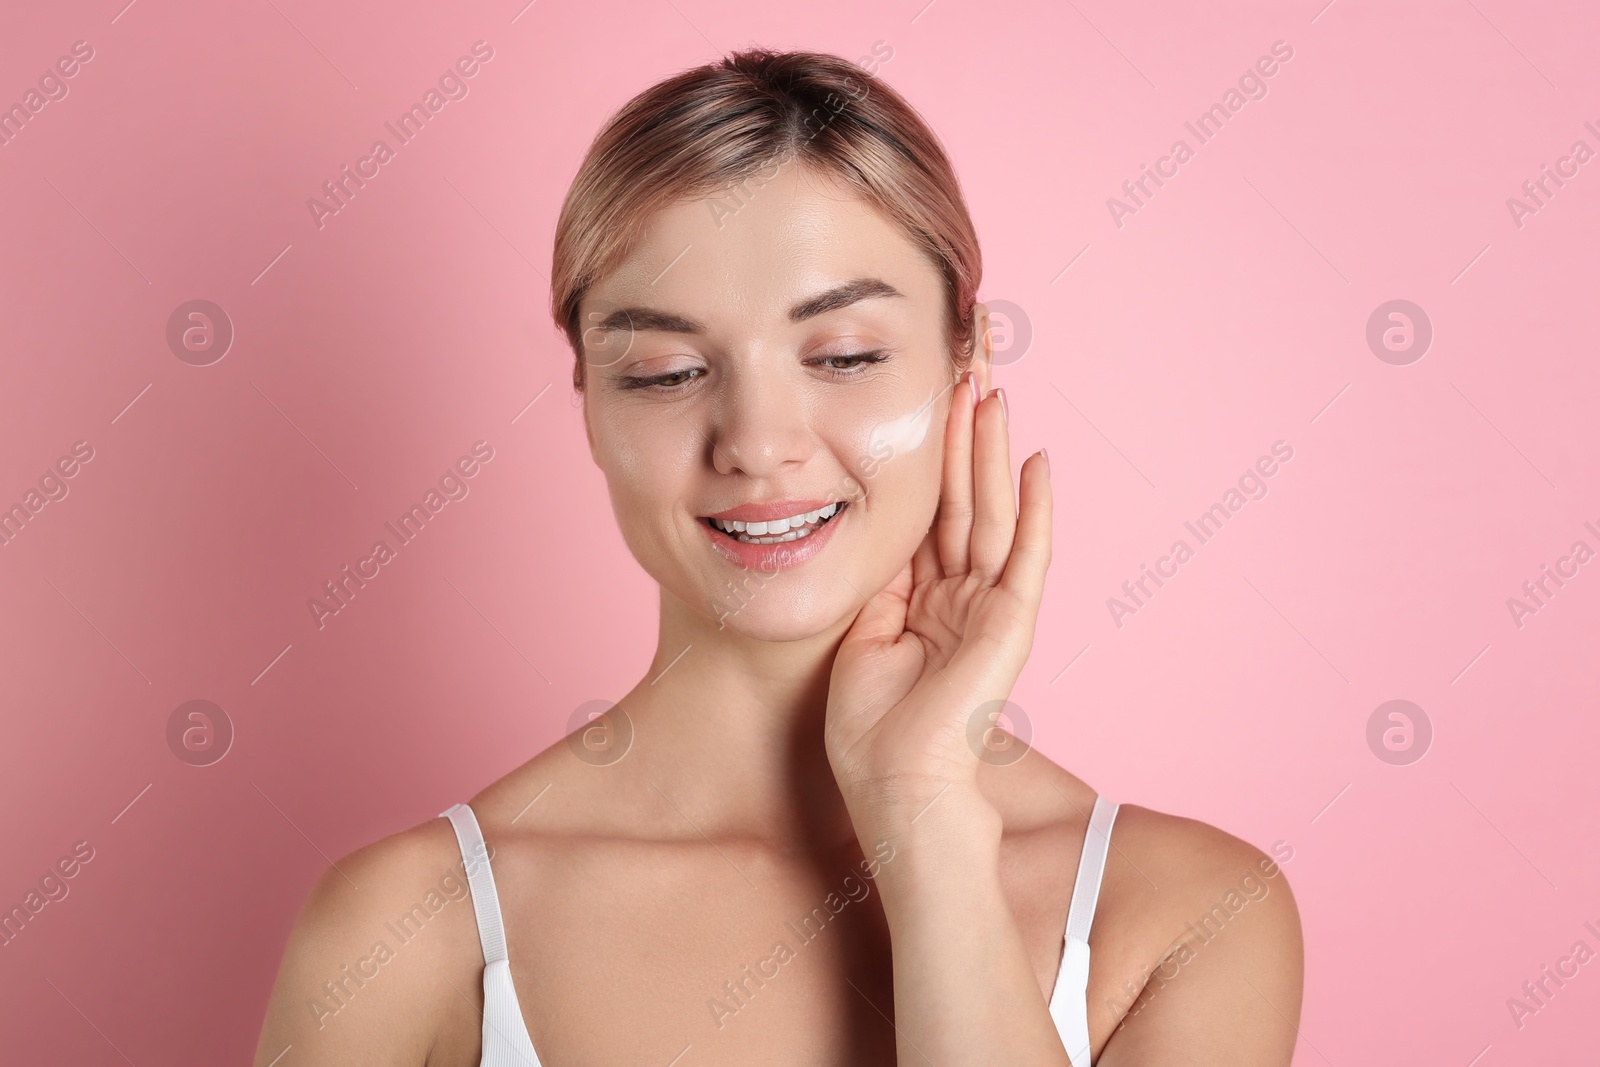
x=1069 y=1002
x=485 y=899
x=1091 y=868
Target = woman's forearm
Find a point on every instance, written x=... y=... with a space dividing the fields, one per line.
x=965 y=993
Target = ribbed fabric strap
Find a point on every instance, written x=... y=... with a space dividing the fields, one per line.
x=505 y=1037
x=485 y=900
x=1069 y=1002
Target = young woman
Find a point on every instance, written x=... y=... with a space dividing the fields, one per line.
x=799 y=839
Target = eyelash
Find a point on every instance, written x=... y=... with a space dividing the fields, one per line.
x=658 y=383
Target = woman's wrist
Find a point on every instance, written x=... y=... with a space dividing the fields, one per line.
x=910 y=807
x=941 y=846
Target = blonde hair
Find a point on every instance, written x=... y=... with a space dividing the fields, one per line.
x=710 y=129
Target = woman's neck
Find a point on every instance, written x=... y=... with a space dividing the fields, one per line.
x=732 y=729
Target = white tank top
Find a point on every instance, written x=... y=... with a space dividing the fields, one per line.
x=505 y=1036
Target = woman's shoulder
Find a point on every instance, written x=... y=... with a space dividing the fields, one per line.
x=1039 y=798
x=1170 y=883
x=420 y=867
x=358 y=977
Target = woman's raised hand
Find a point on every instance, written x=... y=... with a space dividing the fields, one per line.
x=933 y=656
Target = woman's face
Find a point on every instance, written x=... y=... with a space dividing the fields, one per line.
x=716 y=381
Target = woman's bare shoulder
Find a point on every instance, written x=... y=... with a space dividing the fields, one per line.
x=1037 y=796
x=1177 y=847
x=1221 y=962
x=359 y=974
x=1172 y=886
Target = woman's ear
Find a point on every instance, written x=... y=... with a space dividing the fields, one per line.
x=982 y=350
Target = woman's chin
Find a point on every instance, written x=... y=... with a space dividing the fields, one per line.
x=775 y=622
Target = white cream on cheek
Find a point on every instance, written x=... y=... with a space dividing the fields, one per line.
x=904 y=433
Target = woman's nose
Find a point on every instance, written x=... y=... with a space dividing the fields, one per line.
x=758 y=428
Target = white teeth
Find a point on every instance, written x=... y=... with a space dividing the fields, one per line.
x=775 y=531
x=792 y=535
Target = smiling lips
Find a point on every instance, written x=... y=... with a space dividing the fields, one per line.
x=771 y=552
x=775 y=523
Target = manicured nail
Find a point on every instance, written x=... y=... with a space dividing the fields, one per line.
x=1045 y=452
x=1004 y=410
x=972 y=380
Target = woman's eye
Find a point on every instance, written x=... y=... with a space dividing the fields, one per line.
x=662 y=381
x=850 y=368
x=855 y=359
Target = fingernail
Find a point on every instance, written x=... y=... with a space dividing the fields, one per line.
x=972 y=380
x=1045 y=452
x=1004 y=410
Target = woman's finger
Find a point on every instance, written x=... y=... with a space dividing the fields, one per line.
x=994 y=516
x=955 y=494
x=955 y=500
x=1030 y=553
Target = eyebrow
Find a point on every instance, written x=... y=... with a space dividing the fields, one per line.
x=840 y=296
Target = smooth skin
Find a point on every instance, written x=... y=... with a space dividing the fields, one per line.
x=813 y=733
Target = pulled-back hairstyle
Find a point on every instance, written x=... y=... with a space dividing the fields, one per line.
x=709 y=130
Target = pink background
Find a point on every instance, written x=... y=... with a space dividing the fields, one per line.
x=1228 y=313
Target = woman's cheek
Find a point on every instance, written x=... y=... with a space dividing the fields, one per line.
x=902 y=433
x=898 y=436
x=650 y=472
x=646 y=455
